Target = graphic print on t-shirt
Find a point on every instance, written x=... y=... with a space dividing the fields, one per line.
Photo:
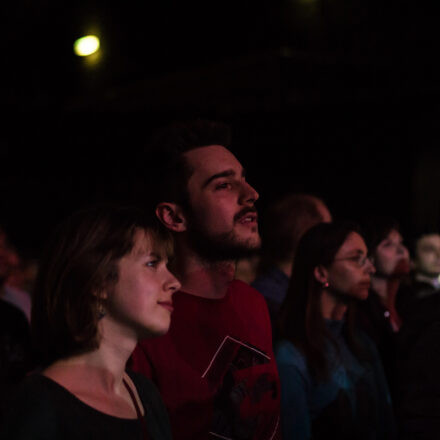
x=246 y=389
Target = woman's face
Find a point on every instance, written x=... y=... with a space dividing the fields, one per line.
x=141 y=300
x=391 y=257
x=350 y=272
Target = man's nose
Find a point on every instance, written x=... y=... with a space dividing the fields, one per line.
x=249 y=194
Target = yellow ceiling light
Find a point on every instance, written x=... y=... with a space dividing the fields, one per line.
x=86 y=46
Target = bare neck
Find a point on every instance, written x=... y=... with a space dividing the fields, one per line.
x=332 y=307
x=103 y=367
x=201 y=278
x=286 y=267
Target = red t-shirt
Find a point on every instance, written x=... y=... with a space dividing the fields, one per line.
x=215 y=368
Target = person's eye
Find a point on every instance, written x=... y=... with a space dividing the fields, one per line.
x=152 y=263
x=223 y=185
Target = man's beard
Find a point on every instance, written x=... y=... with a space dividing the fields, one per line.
x=221 y=247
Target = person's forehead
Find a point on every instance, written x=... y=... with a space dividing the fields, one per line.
x=211 y=160
x=431 y=239
x=141 y=241
x=145 y=243
x=394 y=234
x=353 y=242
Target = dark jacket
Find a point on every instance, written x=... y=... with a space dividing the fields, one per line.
x=418 y=378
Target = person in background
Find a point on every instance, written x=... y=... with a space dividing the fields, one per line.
x=16 y=357
x=418 y=356
x=378 y=316
x=9 y=263
x=215 y=368
x=102 y=285
x=424 y=278
x=332 y=381
x=285 y=222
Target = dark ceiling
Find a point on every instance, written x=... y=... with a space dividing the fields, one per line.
x=336 y=97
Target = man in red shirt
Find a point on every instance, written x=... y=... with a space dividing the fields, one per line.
x=215 y=368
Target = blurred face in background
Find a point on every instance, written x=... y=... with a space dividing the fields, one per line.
x=427 y=255
x=391 y=257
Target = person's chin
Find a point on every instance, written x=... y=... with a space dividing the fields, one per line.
x=361 y=293
x=156 y=330
x=402 y=268
x=435 y=273
x=251 y=239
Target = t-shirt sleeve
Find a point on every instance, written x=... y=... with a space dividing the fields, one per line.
x=295 y=417
x=31 y=415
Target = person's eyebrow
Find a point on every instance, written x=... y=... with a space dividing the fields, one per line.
x=356 y=252
x=226 y=173
x=142 y=252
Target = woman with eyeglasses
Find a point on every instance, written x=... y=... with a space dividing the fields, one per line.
x=102 y=285
x=332 y=381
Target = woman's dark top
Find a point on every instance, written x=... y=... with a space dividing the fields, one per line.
x=43 y=409
x=418 y=360
x=374 y=319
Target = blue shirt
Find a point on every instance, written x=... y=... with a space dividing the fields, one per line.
x=354 y=401
x=273 y=286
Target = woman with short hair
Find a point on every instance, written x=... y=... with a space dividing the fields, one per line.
x=103 y=284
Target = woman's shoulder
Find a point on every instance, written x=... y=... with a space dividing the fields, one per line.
x=148 y=392
x=143 y=384
x=35 y=386
x=31 y=408
x=156 y=412
x=287 y=353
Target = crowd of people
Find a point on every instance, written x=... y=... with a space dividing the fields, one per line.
x=138 y=325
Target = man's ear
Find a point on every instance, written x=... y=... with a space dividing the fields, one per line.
x=321 y=274
x=171 y=215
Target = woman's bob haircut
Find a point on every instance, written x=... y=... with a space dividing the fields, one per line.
x=80 y=262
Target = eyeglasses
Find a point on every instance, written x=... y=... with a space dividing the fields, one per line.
x=359 y=260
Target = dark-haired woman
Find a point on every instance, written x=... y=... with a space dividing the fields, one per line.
x=378 y=316
x=332 y=381
x=102 y=285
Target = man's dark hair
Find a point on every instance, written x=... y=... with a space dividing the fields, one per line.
x=417 y=234
x=168 y=170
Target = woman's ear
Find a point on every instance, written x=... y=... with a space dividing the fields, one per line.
x=321 y=274
x=101 y=294
x=102 y=297
x=172 y=216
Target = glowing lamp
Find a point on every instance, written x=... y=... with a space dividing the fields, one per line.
x=85 y=46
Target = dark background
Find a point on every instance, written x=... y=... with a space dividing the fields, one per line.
x=339 y=98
